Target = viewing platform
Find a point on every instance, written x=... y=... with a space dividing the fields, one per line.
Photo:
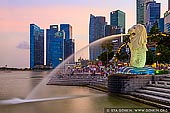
x=149 y=89
x=81 y=79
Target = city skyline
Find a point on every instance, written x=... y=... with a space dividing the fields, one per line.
x=16 y=15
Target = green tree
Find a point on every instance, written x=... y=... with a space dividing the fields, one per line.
x=107 y=46
x=123 y=55
x=164 y=54
x=105 y=57
x=150 y=57
x=162 y=41
x=107 y=54
x=154 y=34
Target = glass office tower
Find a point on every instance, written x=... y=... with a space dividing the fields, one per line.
x=117 y=19
x=67 y=28
x=141 y=11
x=96 y=31
x=54 y=46
x=167 y=22
x=152 y=14
x=69 y=43
x=168 y=5
x=36 y=46
x=59 y=44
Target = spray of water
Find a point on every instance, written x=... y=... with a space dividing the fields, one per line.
x=60 y=69
x=22 y=101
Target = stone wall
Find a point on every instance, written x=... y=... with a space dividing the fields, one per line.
x=79 y=79
x=124 y=83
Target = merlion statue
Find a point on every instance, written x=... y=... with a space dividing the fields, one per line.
x=137 y=45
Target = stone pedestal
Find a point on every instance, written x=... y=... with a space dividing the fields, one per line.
x=137 y=71
x=125 y=83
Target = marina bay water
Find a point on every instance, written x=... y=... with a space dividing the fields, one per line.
x=18 y=84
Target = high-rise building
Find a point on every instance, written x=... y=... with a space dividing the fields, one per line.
x=109 y=30
x=54 y=46
x=69 y=49
x=141 y=11
x=117 y=19
x=67 y=28
x=161 y=24
x=113 y=30
x=96 y=31
x=152 y=14
x=168 y=5
x=36 y=46
x=59 y=44
x=167 y=22
x=69 y=43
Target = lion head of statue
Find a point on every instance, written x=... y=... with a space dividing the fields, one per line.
x=138 y=37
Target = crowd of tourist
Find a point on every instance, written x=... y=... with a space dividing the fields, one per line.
x=92 y=69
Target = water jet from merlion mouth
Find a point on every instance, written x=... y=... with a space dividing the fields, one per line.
x=60 y=69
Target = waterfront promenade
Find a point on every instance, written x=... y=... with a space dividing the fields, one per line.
x=81 y=79
x=149 y=89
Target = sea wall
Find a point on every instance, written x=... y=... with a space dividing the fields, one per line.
x=124 y=83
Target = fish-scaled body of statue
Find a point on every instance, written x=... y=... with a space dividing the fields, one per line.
x=137 y=45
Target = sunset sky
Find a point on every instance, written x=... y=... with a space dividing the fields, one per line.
x=17 y=15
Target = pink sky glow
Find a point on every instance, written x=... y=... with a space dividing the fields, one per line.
x=15 y=21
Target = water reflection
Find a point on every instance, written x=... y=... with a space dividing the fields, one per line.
x=19 y=84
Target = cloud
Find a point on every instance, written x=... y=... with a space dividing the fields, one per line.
x=23 y=45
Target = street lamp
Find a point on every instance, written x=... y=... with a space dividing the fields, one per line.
x=60 y=59
x=158 y=54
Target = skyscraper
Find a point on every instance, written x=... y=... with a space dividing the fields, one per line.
x=109 y=30
x=152 y=14
x=54 y=46
x=67 y=28
x=59 y=44
x=69 y=49
x=167 y=19
x=36 y=46
x=117 y=19
x=141 y=11
x=161 y=24
x=168 y=5
x=69 y=43
x=96 y=31
x=167 y=22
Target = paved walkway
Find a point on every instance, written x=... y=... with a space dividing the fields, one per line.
x=80 y=79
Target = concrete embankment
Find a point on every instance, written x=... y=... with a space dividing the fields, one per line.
x=81 y=79
x=149 y=89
